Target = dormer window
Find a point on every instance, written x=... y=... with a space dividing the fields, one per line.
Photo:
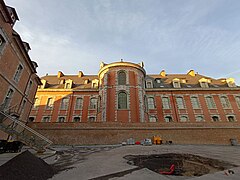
x=204 y=83
x=13 y=14
x=158 y=81
x=68 y=84
x=231 y=82
x=95 y=83
x=176 y=83
x=44 y=82
x=149 y=84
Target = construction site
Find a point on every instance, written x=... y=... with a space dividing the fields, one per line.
x=121 y=123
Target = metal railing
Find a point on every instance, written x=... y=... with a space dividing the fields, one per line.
x=14 y=127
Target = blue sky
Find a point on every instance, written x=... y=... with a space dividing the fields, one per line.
x=175 y=35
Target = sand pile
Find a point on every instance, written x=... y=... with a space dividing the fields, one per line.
x=26 y=166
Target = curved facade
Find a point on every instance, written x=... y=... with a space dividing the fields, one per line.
x=121 y=91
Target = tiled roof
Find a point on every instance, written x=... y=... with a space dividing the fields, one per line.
x=53 y=82
x=186 y=81
x=190 y=81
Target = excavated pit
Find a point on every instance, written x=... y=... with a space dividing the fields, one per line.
x=185 y=164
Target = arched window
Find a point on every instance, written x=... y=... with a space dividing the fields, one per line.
x=152 y=118
x=168 y=119
x=183 y=118
x=231 y=118
x=121 y=78
x=215 y=118
x=199 y=118
x=122 y=100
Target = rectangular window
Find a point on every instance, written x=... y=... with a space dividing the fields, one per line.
x=23 y=106
x=180 y=103
x=2 y=42
x=225 y=102
x=36 y=103
x=195 y=103
x=93 y=103
x=149 y=84
x=151 y=103
x=165 y=102
x=18 y=73
x=7 y=99
x=29 y=87
x=64 y=104
x=237 y=98
x=49 y=104
x=204 y=84
x=176 y=84
x=210 y=102
x=79 y=102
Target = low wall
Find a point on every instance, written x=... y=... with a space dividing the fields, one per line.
x=115 y=133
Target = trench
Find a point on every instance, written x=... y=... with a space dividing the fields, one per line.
x=184 y=164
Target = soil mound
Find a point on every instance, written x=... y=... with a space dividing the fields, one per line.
x=26 y=166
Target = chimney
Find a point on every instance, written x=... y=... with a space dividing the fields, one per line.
x=80 y=74
x=163 y=73
x=191 y=73
x=60 y=74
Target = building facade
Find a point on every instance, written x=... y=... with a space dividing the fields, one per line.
x=122 y=101
x=18 y=79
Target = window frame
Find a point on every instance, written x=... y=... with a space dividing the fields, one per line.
x=180 y=104
x=167 y=116
x=195 y=102
x=78 y=106
x=185 y=116
x=218 y=118
x=49 y=119
x=225 y=102
x=64 y=105
x=93 y=103
x=122 y=103
x=122 y=78
x=166 y=102
x=60 y=121
x=202 y=120
x=152 y=116
x=151 y=104
x=211 y=103
x=76 y=117
x=18 y=73
x=49 y=103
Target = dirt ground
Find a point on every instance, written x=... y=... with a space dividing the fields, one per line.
x=130 y=162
